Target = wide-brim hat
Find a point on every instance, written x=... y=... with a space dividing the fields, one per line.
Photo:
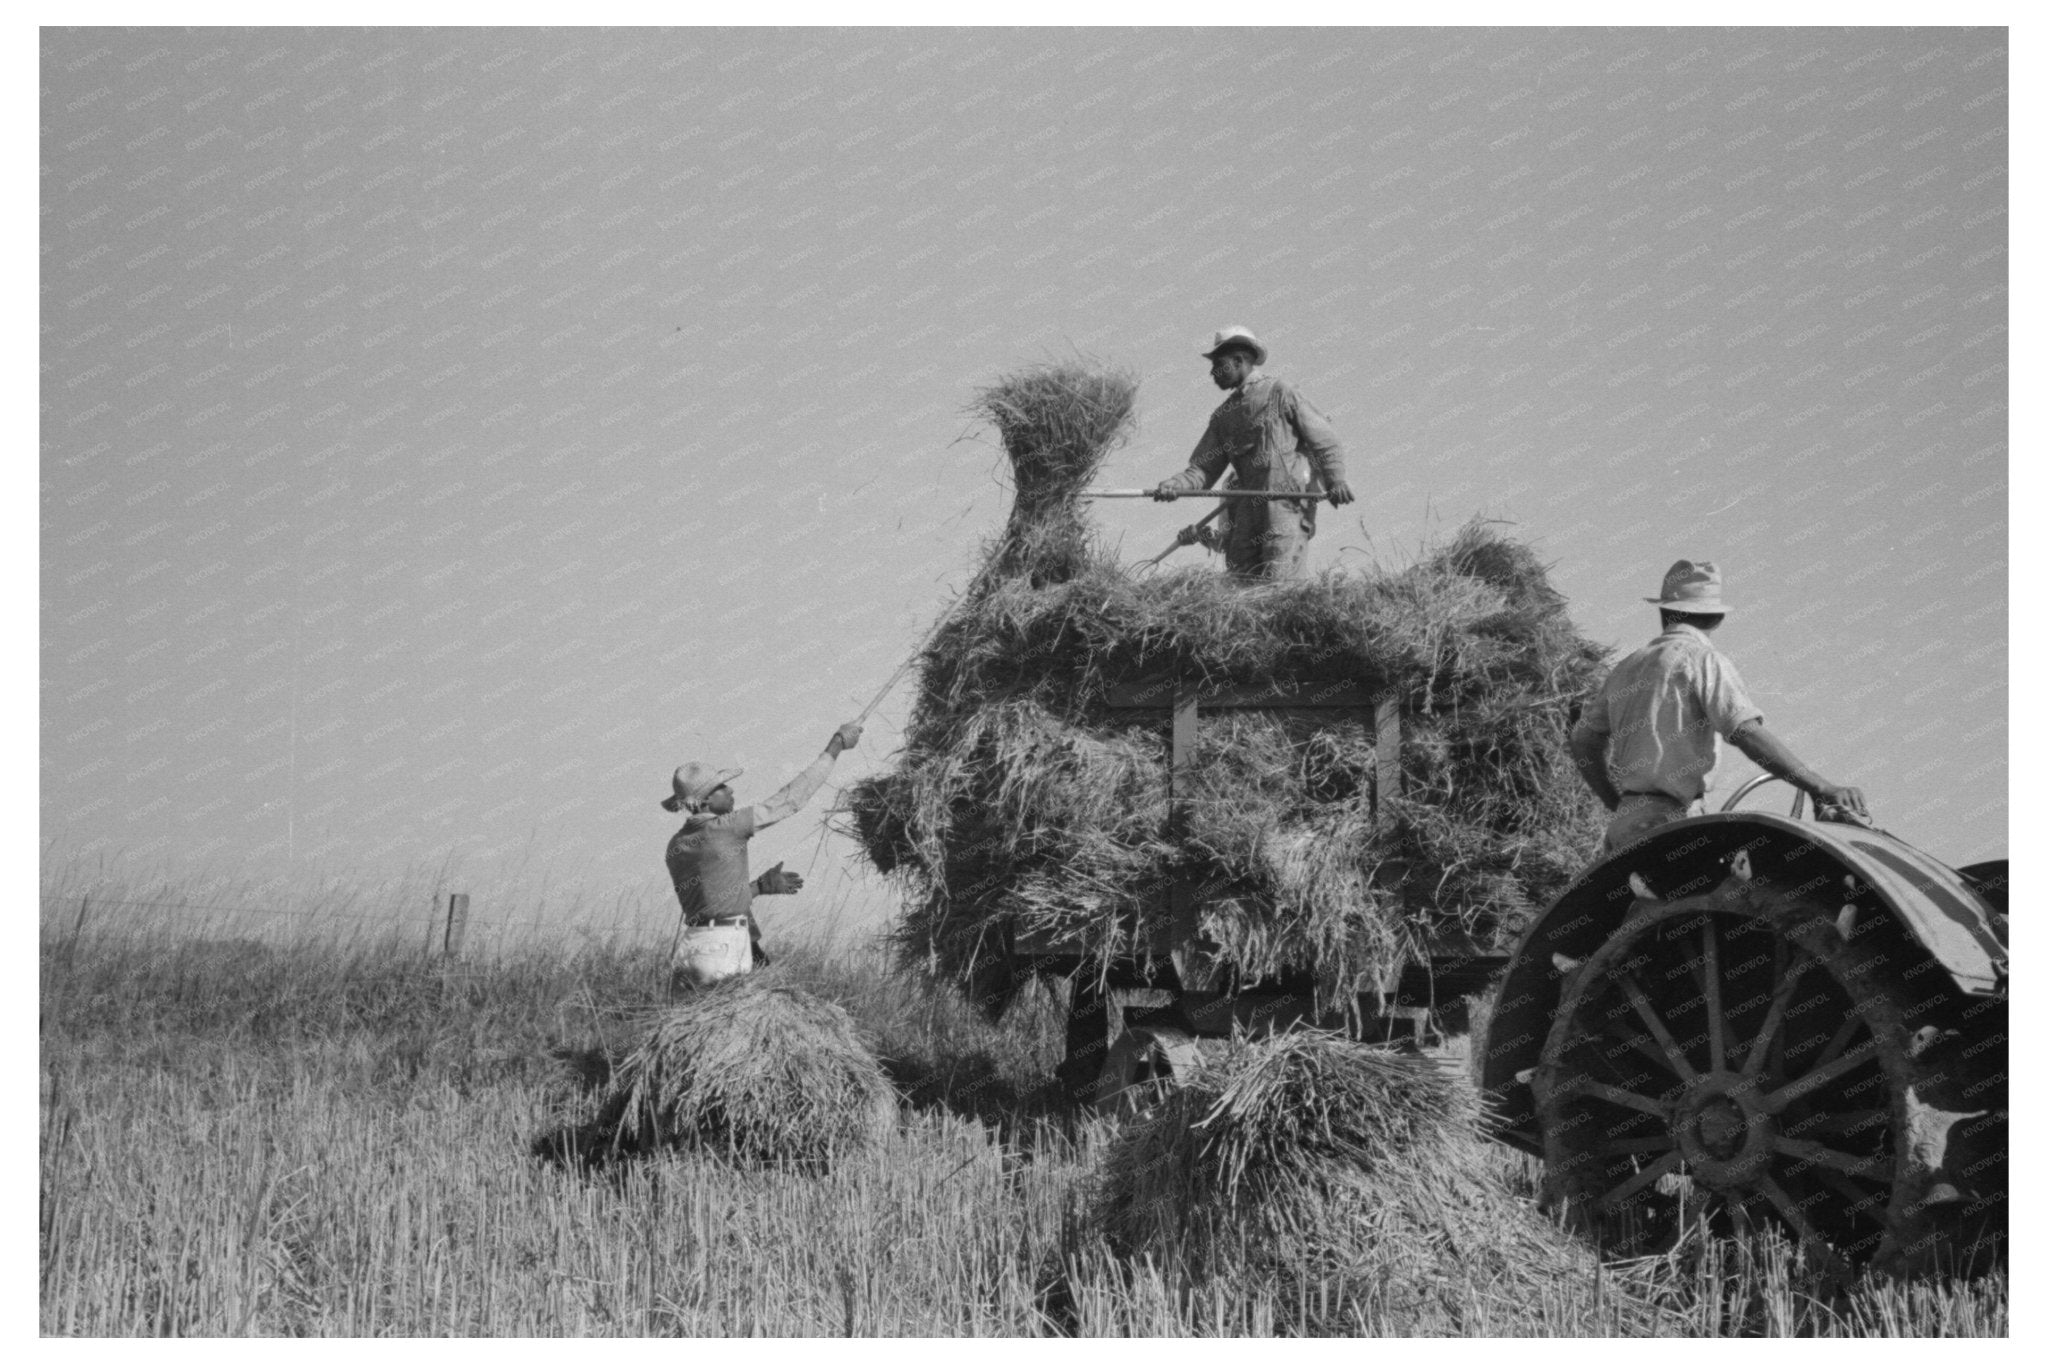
x=1236 y=338
x=693 y=782
x=1692 y=587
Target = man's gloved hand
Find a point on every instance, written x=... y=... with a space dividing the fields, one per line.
x=1340 y=494
x=847 y=734
x=1165 y=493
x=1188 y=535
x=776 y=881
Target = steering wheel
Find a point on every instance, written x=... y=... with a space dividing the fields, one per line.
x=1826 y=813
x=1763 y=779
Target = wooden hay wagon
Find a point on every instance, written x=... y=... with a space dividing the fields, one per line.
x=1164 y=996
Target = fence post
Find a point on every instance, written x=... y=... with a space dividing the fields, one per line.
x=458 y=921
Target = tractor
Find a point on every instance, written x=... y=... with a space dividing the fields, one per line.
x=1742 y=1016
x=1748 y=1017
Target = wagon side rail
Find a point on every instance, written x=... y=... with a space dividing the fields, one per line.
x=1155 y=930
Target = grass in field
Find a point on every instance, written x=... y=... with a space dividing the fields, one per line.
x=335 y=1141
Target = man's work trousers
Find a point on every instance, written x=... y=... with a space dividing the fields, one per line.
x=713 y=952
x=1638 y=814
x=1279 y=552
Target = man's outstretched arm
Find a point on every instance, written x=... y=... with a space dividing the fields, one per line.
x=794 y=796
x=1769 y=752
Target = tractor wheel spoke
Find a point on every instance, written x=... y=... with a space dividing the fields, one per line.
x=1776 y=1101
x=1858 y=1202
x=1876 y=1168
x=1789 y=1209
x=1841 y=1039
x=1677 y=1063
x=1634 y=1146
x=1641 y=1180
x=1786 y=959
x=1649 y=1050
x=1781 y=999
x=1614 y=1094
x=1847 y=1122
x=1710 y=971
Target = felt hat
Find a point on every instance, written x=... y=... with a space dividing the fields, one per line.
x=1693 y=587
x=693 y=782
x=1236 y=338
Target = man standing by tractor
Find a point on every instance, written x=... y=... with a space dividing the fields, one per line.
x=1649 y=742
x=1276 y=441
x=707 y=861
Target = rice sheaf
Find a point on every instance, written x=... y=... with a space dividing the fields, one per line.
x=1351 y=1182
x=754 y=1067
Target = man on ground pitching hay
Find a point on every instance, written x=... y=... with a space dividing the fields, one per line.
x=707 y=861
x=1276 y=441
x=751 y=1067
x=1350 y=1179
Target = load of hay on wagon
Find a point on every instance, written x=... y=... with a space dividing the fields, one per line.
x=1021 y=802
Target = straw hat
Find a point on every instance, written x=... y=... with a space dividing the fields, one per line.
x=1231 y=337
x=1693 y=588
x=695 y=781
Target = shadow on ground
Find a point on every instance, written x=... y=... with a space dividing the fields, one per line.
x=973 y=1086
x=589 y=1068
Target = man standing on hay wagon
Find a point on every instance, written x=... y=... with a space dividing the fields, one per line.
x=707 y=861
x=1275 y=441
x=1649 y=742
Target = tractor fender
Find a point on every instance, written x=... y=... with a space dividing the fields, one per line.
x=1945 y=914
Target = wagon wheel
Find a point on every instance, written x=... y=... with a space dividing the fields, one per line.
x=1741 y=1055
x=1144 y=1065
x=1091 y=1025
x=1105 y=1060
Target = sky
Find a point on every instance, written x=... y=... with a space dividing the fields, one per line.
x=446 y=433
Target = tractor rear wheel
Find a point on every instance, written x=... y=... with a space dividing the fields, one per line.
x=1745 y=1054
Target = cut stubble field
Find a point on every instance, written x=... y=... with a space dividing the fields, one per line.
x=321 y=1140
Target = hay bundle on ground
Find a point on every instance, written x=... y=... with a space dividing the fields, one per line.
x=1351 y=1180
x=1021 y=801
x=751 y=1067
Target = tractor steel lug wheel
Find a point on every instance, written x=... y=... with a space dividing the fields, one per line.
x=1733 y=1056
